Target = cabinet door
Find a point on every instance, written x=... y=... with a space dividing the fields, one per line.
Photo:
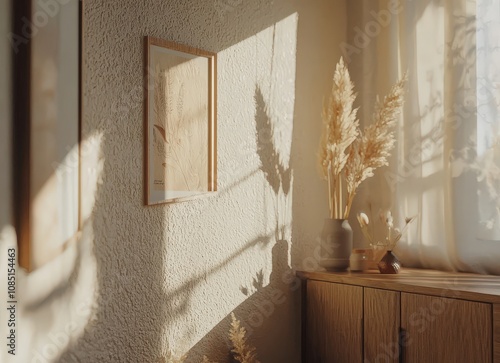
x=496 y=333
x=445 y=330
x=381 y=325
x=334 y=323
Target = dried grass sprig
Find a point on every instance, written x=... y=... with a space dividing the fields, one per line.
x=373 y=148
x=340 y=129
x=393 y=235
x=243 y=352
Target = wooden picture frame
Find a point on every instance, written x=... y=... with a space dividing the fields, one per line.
x=47 y=74
x=180 y=113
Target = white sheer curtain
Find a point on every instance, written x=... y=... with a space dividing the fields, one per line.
x=446 y=164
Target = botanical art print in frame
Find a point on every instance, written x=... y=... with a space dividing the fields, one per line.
x=180 y=122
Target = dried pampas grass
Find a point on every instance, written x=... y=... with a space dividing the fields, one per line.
x=340 y=130
x=243 y=352
x=347 y=153
x=372 y=149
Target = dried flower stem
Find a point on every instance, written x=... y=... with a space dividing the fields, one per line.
x=389 y=242
x=350 y=199
x=400 y=234
x=340 y=197
x=331 y=201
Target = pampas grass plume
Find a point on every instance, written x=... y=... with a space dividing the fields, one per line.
x=243 y=352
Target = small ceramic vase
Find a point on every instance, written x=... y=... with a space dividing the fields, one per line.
x=389 y=264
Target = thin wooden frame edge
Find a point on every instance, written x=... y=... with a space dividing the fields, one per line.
x=179 y=47
x=212 y=181
x=145 y=121
x=212 y=130
x=80 y=111
x=21 y=129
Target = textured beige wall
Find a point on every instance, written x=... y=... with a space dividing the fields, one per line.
x=145 y=281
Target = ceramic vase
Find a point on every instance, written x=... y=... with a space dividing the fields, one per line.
x=336 y=244
x=389 y=264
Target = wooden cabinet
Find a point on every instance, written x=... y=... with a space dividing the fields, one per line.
x=451 y=330
x=381 y=325
x=335 y=322
x=496 y=333
x=414 y=317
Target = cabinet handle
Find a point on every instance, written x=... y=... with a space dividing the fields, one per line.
x=402 y=343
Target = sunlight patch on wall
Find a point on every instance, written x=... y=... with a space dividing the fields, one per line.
x=92 y=164
x=54 y=209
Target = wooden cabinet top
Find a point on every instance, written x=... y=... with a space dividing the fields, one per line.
x=465 y=286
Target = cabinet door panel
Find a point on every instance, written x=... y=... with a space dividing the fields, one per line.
x=334 y=323
x=381 y=333
x=496 y=333
x=445 y=330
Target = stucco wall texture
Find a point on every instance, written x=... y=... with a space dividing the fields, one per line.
x=145 y=282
